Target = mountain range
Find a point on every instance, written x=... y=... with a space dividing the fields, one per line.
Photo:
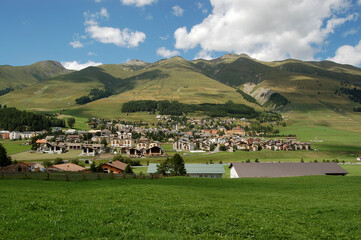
x=302 y=86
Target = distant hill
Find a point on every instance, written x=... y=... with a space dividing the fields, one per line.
x=287 y=85
x=23 y=76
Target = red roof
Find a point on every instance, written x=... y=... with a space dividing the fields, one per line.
x=117 y=164
x=69 y=167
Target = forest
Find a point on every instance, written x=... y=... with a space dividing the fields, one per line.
x=94 y=94
x=165 y=107
x=5 y=91
x=13 y=119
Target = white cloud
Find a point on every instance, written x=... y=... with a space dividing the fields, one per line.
x=352 y=31
x=138 y=3
x=166 y=53
x=348 y=54
x=204 y=10
x=116 y=36
x=91 y=54
x=104 y=13
x=75 y=65
x=76 y=44
x=110 y=35
x=359 y=2
x=165 y=37
x=265 y=29
x=178 y=11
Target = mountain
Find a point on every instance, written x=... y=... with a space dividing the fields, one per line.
x=289 y=85
x=23 y=76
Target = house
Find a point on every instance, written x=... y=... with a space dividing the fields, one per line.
x=114 y=167
x=154 y=151
x=15 y=135
x=67 y=167
x=5 y=134
x=35 y=167
x=183 y=145
x=239 y=170
x=358 y=158
x=19 y=167
x=197 y=170
x=89 y=151
x=52 y=148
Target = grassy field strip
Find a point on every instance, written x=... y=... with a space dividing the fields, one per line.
x=318 y=207
x=13 y=147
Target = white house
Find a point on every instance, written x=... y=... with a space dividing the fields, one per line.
x=15 y=135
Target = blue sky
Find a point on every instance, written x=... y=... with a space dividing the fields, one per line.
x=80 y=33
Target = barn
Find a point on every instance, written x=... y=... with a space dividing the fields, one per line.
x=241 y=170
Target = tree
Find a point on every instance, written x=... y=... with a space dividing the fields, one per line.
x=128 y=169
x=104 y=141
x=47 y=163
x=173 y=166
x=71 y=122
x=177 y=164
x=93 y=167
x=58 y=161
x=5 y=160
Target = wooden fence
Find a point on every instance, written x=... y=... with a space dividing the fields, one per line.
x=67 y=176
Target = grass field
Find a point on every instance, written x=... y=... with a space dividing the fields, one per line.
x=13 y=147
x=27 y=156
x=323 y=207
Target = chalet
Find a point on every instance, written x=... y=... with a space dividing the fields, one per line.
x=67 y=167
x=52 y=148
x=239 y=170
x=197 y=170
x=88 y=150
x=114 y=167
x=154 y=151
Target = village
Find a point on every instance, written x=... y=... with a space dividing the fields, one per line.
x=137 y=141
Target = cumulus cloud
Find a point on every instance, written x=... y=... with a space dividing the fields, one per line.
x=116 y=36
x=76 y=44
x=165 y=37
x=75 y=65
x=200 y=6
x=138 y=3
x=265 y=29
x=348 y=54
x=177 y=11
x=166 y=53
x=109 y=35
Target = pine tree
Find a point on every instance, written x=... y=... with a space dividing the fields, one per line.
x=5 y=160
x=128 y=169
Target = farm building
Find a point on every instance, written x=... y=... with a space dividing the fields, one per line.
x=197 y=170
x=239 y=170
x=115 y=167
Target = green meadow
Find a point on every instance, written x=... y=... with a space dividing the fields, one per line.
x=318 y=207
x=13 y=147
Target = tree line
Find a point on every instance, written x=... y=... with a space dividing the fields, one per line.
x=13 y=119
x=5 y=91
x=94 y=94
x=165 y=107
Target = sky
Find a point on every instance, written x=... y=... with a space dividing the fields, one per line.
x=81 y=33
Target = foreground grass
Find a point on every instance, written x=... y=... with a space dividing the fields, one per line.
x=182 y=208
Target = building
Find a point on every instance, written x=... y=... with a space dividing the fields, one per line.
x=114 y=167
x=67 y=167
x=240 y=170
x=15 y=135
x=197 y=170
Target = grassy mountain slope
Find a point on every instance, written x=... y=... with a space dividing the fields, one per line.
x=172 y=79
x=23 y=76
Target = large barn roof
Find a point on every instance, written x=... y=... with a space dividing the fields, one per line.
x=286 y=169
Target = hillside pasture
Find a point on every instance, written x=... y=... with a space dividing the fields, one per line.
x=319 y=207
